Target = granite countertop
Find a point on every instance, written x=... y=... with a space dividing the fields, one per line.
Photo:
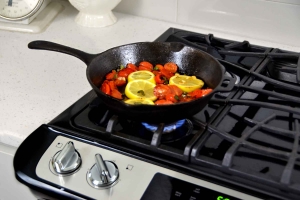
x=36 y=86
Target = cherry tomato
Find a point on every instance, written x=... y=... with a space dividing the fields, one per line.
x=161 y=90
x=105 y=88
x=115 y=93
x=131 y=66
x=172 y=97
x=163 y=102
x=196 y=93
x=120 y=81
x=125 y=72
x=175 y=90
x=159 y=79
x=166 y=73
x=185 y=99
x=112 y=75
x=111 y=85
x=159 y=67
x=206 y=91
x=155 y=72
x=145 y=66
x=171 y=67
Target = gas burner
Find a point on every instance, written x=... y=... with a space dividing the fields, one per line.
x=177 y=142
x=284 y=69
x=168 y=128
x=167 y=133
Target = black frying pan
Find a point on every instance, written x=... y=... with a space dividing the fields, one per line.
x=190 y=61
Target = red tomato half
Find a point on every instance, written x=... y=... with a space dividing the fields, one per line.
x=166 y=73
x=161 y=90
x=145 y=66
x=115 y=93
x=105 y=88
x=171 y=67
x=112 y=85
x=125 y=72
x=172 y=98
x=196 y=93
x=131 y=66
x=163 y=102
x=155 y=72
x=175 y=90
x=120 y=81
x=159 y=79
x=185 y=99
x=206 y=91
x=112 y=75
x=159 y=67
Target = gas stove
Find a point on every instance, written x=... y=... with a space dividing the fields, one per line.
x=243 y=145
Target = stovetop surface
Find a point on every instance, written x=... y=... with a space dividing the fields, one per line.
x=247 y=138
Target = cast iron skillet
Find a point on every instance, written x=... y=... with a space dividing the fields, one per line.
x=190 y=61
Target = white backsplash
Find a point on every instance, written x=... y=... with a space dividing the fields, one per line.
x=271 y=20
x=297 y=2
x=156 y=9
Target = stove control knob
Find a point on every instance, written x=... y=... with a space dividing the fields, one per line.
x=67 y=160
x=103 y=173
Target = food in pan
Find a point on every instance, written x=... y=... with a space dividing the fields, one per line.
x=152 y=85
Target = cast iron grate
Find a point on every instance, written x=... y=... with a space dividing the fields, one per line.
x=287 y=160
x=257 y=134
x=214 y=45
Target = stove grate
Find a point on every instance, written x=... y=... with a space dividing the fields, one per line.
x=292 y=156
x=256 y=136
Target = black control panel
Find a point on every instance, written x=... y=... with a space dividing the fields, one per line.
x=163 y=187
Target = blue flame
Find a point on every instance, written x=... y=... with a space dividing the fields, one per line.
x=168 y=127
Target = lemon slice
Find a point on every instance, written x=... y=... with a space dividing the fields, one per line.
x=142 y=75
x=186 y=83
x=140 y=89
x=139 y=101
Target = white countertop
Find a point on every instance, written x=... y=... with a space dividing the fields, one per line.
x=36 y=86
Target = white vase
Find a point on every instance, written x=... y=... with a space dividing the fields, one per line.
x=95 y=13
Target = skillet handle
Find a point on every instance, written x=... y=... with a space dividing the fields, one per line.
x=229 y=86
x=51 y=46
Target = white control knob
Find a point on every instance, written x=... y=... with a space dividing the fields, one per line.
x=103 y=173
x=67 y=160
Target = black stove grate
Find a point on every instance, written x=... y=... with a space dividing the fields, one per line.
x=257 y=134
x=258 y=152
x=218 y=47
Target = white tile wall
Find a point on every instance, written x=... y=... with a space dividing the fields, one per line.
x=297 y=2
x=156 y=9
x=249 y=18
x=258 y=19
